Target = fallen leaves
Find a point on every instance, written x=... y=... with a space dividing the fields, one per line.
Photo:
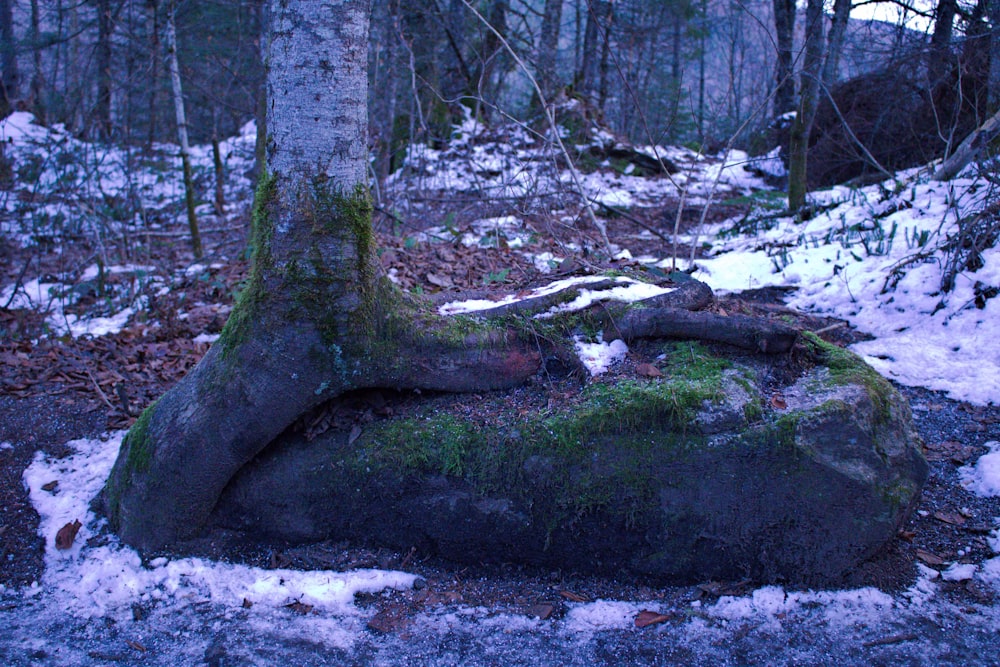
x=950 y=450
x=542 y=611
x=66 y=535
x=929 y=558
x=300 y=608
x=951 y=518
x=778 y=402
x=646 y=618
x=892 y=639
x=391 y=619
x=648 y=370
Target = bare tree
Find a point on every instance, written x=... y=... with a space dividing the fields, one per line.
x=784 y=32
x=316 y=319
x=548 y=43
x=10 y=81
x=182 y=133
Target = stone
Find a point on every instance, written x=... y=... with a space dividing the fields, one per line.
x=684 y=478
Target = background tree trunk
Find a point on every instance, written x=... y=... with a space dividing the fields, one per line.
x=835 y=43
x=993 y=9
x=784 y=79
x=102 y=109
x=10 y=81
x=182 y=134
x=548 y=47
x=809 y=87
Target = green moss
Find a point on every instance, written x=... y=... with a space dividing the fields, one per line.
x=246 y=308
x=140 y=451
x=138 y=458
x=601 y=447
x=847 y=368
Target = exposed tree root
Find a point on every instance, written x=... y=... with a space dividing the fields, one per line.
x=237 y=401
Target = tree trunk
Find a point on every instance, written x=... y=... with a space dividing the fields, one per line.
x=154 y=68
x=102 y=109
x=548 y=47
x=835 y=45
x=809 y=87
x=10 y=81
x=182 y=133
x=993 y=9
x=970 y=149
x=944 y=23
x=784 y=80
x=608 y=22
x=37 y=74
x=589 y=73
x=315 y=319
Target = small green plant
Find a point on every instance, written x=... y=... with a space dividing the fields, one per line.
x=496 y=277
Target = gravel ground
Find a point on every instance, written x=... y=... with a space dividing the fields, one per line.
x=428 y=625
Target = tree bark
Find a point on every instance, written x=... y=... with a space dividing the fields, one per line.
x=10 y=82
x=154 y=68
x=315 y=319
x=835 y=43
x=809 y=86
x=105 y=27
x=970 y=149
x=944 y=23
x=993 y=10
x=548 y=47
x=182 y=134
x=784 y=80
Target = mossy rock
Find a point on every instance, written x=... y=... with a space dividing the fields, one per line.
x=686 y=477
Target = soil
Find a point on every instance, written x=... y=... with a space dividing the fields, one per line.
x=55 y=390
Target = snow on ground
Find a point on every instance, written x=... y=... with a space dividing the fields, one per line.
x=65 y=187
x=876 y=256
x=186 y=606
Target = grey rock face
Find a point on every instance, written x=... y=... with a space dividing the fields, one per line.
x=637 y=476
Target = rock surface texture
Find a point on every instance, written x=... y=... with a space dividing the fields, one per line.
x=713 y=470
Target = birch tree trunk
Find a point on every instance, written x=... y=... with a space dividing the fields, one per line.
x=316 y=319
x=182 y=133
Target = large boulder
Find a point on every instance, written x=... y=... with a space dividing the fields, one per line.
x=716 y=469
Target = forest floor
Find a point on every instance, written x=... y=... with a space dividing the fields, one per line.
x=55 y=389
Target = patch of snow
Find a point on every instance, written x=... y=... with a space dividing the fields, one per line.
x=959 y=572
x=983 y=477
x=107 y=579
x=600 y=356
x=205 y=338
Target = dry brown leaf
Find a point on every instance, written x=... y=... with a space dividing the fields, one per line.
x=136 y=645
x=953 y=518
x=50 y=486
x=573 y=597
x=439 y=280
x=929 y=559
x=66 y=535
x=778 y=402
x=247 y=604
x=300 y=607
x=648 y=370
x=390 y=619
x=355 y=434
x=542 y=612
x=646 y=618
